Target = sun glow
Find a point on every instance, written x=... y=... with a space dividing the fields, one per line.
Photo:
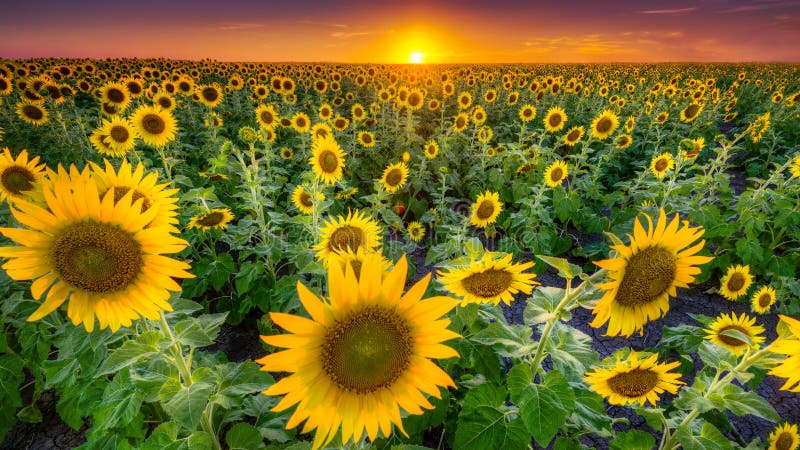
x=416 y=57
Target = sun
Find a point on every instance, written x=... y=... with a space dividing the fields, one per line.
x=416 y=57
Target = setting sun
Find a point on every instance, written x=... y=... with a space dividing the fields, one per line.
x=416 y=57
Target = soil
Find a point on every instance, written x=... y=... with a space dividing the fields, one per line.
x=50 y=434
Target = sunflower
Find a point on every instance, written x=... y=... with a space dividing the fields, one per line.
x=736 y=282
x=555 y=119
x=95 y=252
x=353 y=232
x=209 y=95
x=287 y=153
x=460 y=122
x=355 y=260
x=415 y=231
x=20 y=178
x=604 y=125
x=366 y=139
x=763 y=299
x=485 y=134
x=395 y=176
x=116 y=94
x=527 y=113
x=784 y=437
x=492 y=279
x=638 y=379
x=646 y=274
x=432 y=149
x=301 y=123
x=327 y=159
x=743 y=324
x=155 y=126
x=789 y=345
x=662 y=117
x=464 y=100
x=341 y=123
x=145 y=187
x=486 y=209
x=321 y=130
x=32 y=113
x=304 y=200
x=697 y=147
x=573 y=136
x=213 y=218
x=364 y=354
x=555 y=174
x=661 y=164
x=266 y=116
x=165 y=101
x=759 y=127
x=119 y=135
x=629 y=124
x=690 y=113
x=795 y=167
x=623 y=141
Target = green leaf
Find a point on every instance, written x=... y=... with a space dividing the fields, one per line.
x=541 y=304
x=199 y=331
x=543 y=407
x=565 y=269
x=164 y=437
x=141 y=347
x=121 y=403
x=244 y=436
x=715 y=356
x=185 y=405
x=709 y=439
x=271 y=425
x=237 y=380
x=11 y=377
x=30 y=414
x=741 y=402
x=632 y=440
x=248 y=272
x=486 y=427
x=590 y=412
x=199 y=440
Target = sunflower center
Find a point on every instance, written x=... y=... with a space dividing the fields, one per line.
x=346 y=237
x=120 y=191
x=366 y=138
x=649 y=273
x=556 y=174
x=485 y=210
x=555 y=120
x=97 y=257
x=300 y=122
x=266 y=117
x=328 y=161
x=732 y=341
x=305 y=199
x=527 y=112
x=692 y=110
x=736 y=282
x=154 y=124
x=764 y=300
x=211 y=219
x=119 y=134
x=573 y=135
x=488 y=284
x=33 y=112
x=115 y=95
x=210 y=94
x=165 y=102
x=460 y=123
x=661 y=164
x=367 y=351
x=394 y=177
x=633 y=384
x=784 y=441
x=604 y=125
x=17 y=179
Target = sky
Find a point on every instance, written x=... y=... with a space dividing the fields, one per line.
x=438 y=31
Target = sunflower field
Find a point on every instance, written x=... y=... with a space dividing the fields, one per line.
x=208 y=255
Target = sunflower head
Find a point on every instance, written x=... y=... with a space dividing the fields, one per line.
x=573 y=136
x=327 y=159
x=735 y=333
x=555 y=119
x=555 y=174
x=20 y=178
x=491 y=279
x=395 y=176
x=348 y=233
x=416 y=231
x=154 y=125
x=486 y=209
x=637 y=379
x=211 y=219
x=763 y=300
x=736 y=282
x=304 y=200
x=604 y=125
x=784 y=437
x=431 y=149
x=661 y=164
x=32 y=113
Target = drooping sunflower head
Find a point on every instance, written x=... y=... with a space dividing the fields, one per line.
x=154 y=125
x=304 y=200
x=604 y=124
x=20 y=178
x=96 y=253
x=691 y=112
x=327 y=159
x=695 y=147
x=735 y=333
x=32 y=113
x=661 y=164
x=484 y=134
x=352 y=232
x=623 y=141
x=363 y=354
x=416 y=231
x=736 y=282
x=492 y=279
x=321 y=131
x=486 y=209
x=763 y=300
x=555 y=119
x=646 y=273
x=211 y=219
x=759 y=127
x=638 y=379
x=784 y=437
x=555 y=174
x=395 y=176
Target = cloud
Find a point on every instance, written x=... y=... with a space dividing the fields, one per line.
x=760 y=6
x=240 y=26
x=345 y=35
x=332 y=25
x=668 y=11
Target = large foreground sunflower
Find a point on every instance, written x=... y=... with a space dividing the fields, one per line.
x=96 y=251
x=327 y=159
x=352 y=232
x=364 y=354
x=486 y=209
x=489 y=280
x=646 y=274
x=788 y=345
x=784 y=437
x=20 y=178
x=635 y=380
x=744 y=324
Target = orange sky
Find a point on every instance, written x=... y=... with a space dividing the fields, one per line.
x=387 y=32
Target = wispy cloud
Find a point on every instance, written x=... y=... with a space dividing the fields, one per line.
x=348 y=35
x=240 y=26
x=668 y=11
x=332 y=25
x=760 y=6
